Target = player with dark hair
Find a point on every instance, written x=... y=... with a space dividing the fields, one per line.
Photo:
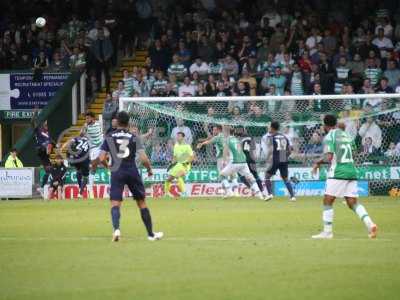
x=342 y=177
x=44 y=147
x=94 y=132
x=78 y=157
x=57 y=176
x=238 y=165
x=218 y=139
x=277 y=147
x=181 y=164
x=123 y=146
x=249 y=146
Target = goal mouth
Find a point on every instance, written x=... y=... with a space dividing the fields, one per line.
x=373 y=120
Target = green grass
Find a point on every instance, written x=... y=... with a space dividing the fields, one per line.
x=213 y=249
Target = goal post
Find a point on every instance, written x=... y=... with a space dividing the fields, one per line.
x=373 y=120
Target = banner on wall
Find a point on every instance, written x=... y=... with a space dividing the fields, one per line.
x=21 y=91
x=211 y=174
x=313 y=188
x=16 y=183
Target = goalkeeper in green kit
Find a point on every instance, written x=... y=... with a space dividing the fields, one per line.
x=341 y=178
x=181 y=165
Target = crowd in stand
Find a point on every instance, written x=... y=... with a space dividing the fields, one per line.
x=237 y=48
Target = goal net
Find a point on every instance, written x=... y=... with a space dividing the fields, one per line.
x=373 y=120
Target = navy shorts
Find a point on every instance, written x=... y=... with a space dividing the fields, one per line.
x=82 y=167
x=43 y=156
x=56 y=183
x=283 y=168
x=129 y=177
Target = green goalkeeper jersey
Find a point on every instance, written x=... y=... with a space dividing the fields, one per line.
x=340 y=144
x=235 y=148
x=182 y=153
x=218 y=141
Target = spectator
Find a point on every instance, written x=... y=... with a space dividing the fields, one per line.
x=170 y=91
x=187 y=89
x=129 y=82
x=384 y=87
x=313 y=40
x=109 y=111
x=41 y=62
x=371 y=130
x=102 y=51
x=77 y=61
x=158 y=154
x=314 y=146
x=93 y=34
x=251 y=66
x=120 y=91
x=372 y=71
x=180 y=127
x=368 y=147
x=13 y=161
x=279 y=81
x=211 y=86
x=351 y=125
x=199 y=66
x=177 y=68
x=250 y=81
x=269 y=65
x=383 y=43
x=392 y=150
x=231 y=66
x=296 y=82
x=159 y=56
x=57 y=64
x=392 y=73
x=342 y=74
x=160 y=85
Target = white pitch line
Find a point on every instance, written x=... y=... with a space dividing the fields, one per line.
x=183 y=239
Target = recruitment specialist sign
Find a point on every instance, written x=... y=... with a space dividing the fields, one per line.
x=21 y=91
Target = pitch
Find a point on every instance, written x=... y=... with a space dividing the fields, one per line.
x=213 y=249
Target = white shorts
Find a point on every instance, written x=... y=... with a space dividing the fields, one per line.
x=341 y=188
x=221 y=163
x=94 y=153
x=232 y=169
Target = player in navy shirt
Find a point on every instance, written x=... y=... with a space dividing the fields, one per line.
x=123 y=145
x=78 y=157
x=44 y=146
x=57 y=177
x=278 y=150
x=248 y=147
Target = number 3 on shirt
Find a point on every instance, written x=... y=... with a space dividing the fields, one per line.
x=123 y=150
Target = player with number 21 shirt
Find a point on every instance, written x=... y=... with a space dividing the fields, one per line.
x=123 y=146
x=342 y=178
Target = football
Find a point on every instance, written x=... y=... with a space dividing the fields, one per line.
x=40 y=22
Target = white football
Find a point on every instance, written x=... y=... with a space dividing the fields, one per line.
x=40 y=22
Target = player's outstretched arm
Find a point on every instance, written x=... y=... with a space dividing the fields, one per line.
x=144 y=159
x=325 y=159
x=147 y=134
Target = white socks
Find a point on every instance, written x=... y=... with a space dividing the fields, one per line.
x=327 y=218
x=361 y=212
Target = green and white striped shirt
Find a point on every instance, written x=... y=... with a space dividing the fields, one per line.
x=342 y=74
x=215 y=68
x=94 y=133
x=373 y=74
x=160 y=85
x=129 y=84
x=179 y=70
x=296 y=84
